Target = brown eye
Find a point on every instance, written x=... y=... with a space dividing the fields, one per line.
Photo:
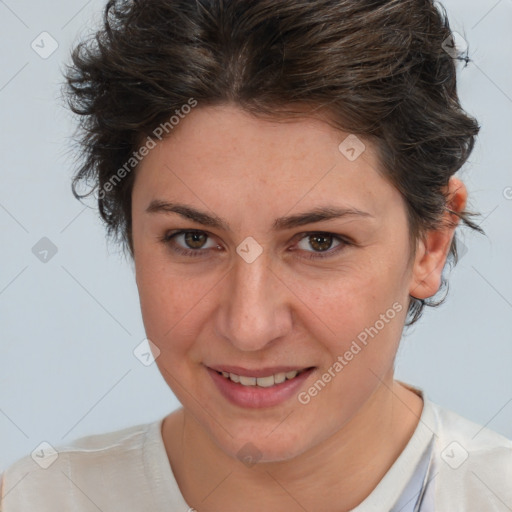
x=322 y=244
x=189 y=242
x=195 y=240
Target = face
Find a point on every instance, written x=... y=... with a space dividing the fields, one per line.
x=251 y=283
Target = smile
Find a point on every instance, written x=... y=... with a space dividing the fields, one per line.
x=266 y=387
x=262 y=382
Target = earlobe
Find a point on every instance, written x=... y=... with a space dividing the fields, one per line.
x=433 y=248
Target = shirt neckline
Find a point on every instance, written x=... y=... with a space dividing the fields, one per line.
x=396 y=480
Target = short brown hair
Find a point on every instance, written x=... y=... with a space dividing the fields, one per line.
x=377 y=67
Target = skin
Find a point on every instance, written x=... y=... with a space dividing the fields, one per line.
x=281 y=309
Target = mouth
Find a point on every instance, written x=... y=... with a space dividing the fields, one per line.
x=266 y=380
x=265 y=387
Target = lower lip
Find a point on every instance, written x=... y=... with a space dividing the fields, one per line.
x=255 y=397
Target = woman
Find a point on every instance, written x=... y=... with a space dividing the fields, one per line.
x=282 y=174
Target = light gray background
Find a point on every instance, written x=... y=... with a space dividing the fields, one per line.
x=69 y=326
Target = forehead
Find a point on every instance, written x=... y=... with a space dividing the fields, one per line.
x=220 y=154
x=226 y=135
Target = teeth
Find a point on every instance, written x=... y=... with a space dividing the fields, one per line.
x=279 y=377
x=263 y=382
x=247 y=381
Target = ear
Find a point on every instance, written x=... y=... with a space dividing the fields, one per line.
x=432 y=250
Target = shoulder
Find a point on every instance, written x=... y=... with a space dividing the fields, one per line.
x=477 y=440
x=472 y=464
x=83 y=451
x=84 y=470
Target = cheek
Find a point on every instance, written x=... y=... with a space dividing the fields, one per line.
x=161 y=299
x=348 y=300
x=361 y=319
x=173 y=306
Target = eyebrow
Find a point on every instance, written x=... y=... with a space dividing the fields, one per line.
x=318 y=214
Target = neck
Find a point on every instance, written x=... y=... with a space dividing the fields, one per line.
x=346 y=467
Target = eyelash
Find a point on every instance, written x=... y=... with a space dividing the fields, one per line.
x=167 y=239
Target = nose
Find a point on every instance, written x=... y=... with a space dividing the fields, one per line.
x=254 y=305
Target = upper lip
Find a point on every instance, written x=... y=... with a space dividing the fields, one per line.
x=260 y=372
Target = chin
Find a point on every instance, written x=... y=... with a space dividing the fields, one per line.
x=268 y=446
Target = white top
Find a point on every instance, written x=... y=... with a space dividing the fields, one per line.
x=450 y=464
